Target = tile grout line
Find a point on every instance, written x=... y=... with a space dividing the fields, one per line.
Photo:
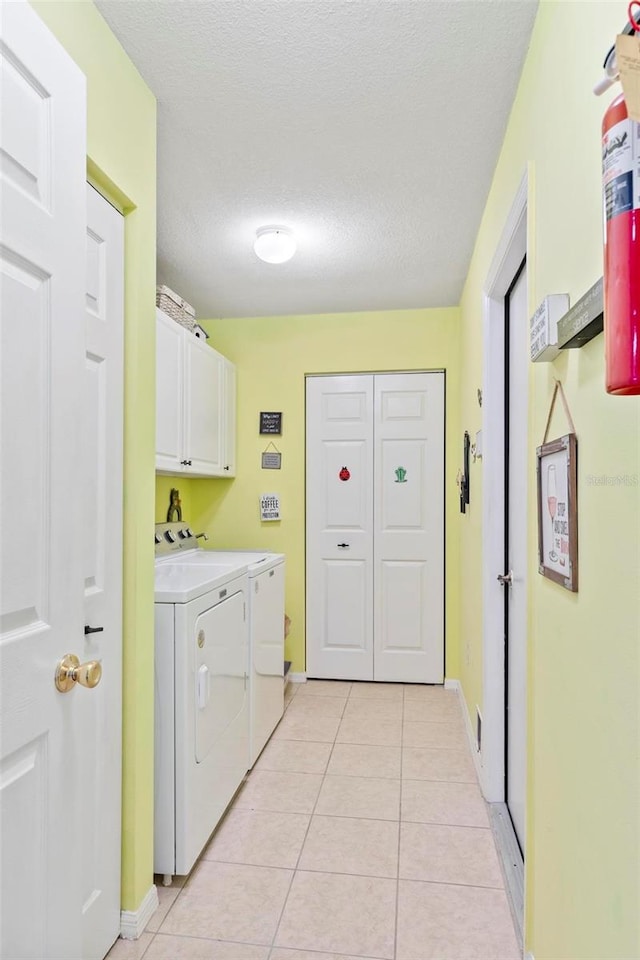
x=295 y=869
x=395 y=928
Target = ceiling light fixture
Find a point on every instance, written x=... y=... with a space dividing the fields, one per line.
x=275 y=244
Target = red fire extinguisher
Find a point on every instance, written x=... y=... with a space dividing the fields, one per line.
x=621 y=195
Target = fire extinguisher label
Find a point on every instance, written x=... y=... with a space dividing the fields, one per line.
x=621 y=168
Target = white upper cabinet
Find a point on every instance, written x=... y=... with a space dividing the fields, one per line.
x=229 y=405
x=195 y=404
x=169 y=393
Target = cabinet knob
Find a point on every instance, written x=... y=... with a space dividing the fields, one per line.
x=186 y=463
x=226 y=468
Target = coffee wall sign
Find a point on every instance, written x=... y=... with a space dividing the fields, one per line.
x=269 y=507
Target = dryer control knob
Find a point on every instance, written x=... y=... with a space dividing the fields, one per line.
x=170 y=536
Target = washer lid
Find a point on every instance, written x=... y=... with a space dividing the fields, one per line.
x=181 y=582
x=255 y=560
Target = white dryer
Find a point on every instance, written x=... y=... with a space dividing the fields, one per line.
x=202 y=698
x=266 y=632
x=266 y=643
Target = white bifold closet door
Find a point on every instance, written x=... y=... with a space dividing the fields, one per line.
x=375 y=527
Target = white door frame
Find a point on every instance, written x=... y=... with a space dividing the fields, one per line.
x=510 y=252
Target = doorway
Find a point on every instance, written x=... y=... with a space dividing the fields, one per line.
x=504 y=550
x=515 y=549
x=375 y=527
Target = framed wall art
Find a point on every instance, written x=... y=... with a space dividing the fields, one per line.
x=557 y=477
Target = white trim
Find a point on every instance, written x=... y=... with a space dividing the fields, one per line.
x=511 y=862
x=477 y=757
x=508 y=257
x=133 y=922
x=297 y=677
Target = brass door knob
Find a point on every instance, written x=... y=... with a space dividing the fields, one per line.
x=70 y=671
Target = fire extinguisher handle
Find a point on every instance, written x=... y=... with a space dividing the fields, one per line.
x=603 y=85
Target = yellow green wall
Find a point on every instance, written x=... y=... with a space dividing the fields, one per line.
x=272 y=355
x=582 y=868
x=122 y=162
x=164 y=486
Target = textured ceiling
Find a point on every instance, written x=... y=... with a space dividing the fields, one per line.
x=370 y=127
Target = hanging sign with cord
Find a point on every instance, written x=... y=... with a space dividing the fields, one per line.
x=271 y=460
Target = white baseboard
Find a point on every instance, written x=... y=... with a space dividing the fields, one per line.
x=133 y=922
x=477 y=757
x=297 y=677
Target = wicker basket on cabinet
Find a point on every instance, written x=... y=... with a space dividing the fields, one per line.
x=176 y=307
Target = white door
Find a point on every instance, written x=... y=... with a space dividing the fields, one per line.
x=44 y=751
x=340 y=527
x=516 y=340
x=409 y=527
x=375 y=527
x=204 y=426
x=169 y=394
x=100 y=714
x=229 y=406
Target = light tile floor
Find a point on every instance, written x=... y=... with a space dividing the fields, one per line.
x=360 y=833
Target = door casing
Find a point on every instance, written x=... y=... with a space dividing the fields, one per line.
x=509 y=254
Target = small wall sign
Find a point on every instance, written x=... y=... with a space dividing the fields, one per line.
x=584 y=321
x=269 y=506
x=543 y=327
x=558 y=511
x=271 y=422
x=271 y=461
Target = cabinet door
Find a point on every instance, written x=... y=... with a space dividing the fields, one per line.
x=229 y=413
x=204 y=427
x=169 y=393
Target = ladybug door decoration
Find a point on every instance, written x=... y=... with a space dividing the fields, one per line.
x=344 y=474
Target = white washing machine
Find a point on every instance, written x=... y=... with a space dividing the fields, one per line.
x=266 y=643
x=266 y=632
x=202 y=712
